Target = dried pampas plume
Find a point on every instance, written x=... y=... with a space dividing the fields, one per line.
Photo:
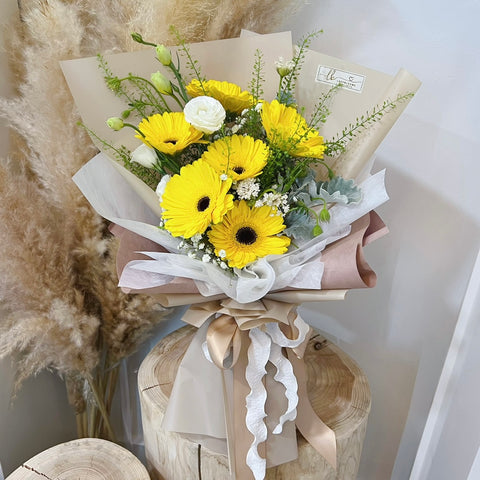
x=62 y=307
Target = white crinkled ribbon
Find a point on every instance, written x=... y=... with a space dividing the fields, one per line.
x=267 y=346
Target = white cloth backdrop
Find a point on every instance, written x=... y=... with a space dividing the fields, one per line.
x=400 y=331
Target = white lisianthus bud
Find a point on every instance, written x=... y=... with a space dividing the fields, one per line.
x=284 y=67
x=162 y=83
x=161 y=186
x=115 y=123
x=205 y=114
x=164 y=55
x=144 y=155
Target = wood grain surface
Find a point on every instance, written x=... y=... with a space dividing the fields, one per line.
x=83 y=459
x=338 y=391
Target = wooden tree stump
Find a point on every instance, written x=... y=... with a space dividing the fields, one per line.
x=338 y=391
x=85 y=459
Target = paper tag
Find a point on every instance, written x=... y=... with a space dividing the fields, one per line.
x=334 y=76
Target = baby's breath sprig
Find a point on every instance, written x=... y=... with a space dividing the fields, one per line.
x=199 y=247
x=339 y=143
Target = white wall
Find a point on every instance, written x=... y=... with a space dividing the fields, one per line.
x=450 y=442
x=400 y=331
x=39 y=417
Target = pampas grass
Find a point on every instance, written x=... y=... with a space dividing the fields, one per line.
x=58 y=287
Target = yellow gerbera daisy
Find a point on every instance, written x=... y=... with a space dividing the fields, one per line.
x=169 y=132
x=231 y=96
x=194 y=199
x=238 y=156
x=289 y=131
x=246 y=234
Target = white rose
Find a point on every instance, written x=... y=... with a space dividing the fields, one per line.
x=205 y=114
x=144 y=155
x=161 y=187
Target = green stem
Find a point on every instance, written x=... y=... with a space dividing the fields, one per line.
x=101 y=407
x=134 y=127
x=148 y=82
x=180 y=81
x=177 y=100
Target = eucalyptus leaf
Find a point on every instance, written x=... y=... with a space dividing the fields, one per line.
x=299 y=226
x=341 y=191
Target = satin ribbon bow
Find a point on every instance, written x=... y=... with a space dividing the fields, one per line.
x=259 y=331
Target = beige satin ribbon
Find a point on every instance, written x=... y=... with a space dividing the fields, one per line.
x=228 y=342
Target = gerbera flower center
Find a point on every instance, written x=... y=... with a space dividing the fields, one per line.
x=203 y=204
x=246 y=236
x=238 y=170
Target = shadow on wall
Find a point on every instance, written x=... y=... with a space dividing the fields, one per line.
x=38 y=418
x=400 y=331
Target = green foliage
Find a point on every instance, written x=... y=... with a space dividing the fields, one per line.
x=139 y=93
x=123 y=154
x=279 y=166
x=191 y=64
x=252 y=124
x=286 y=92
x=300 y=225
x=256 y=84
x=321 y=110
x=339 y=143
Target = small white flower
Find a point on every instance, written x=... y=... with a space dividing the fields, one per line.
x=236 y=128
x=196 y=238
x=223 y=177
x=201 y=246
x=222 y=253
x=258 y=106
x=223 y=265
x=206 y=258
x=247 y=189
x=191 y=254
x=145 y=156
x=205 y=114
x=161 y=186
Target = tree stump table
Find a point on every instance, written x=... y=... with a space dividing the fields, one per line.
x=85 y=459
x=337 y=388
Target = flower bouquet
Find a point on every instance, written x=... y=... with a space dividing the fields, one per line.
x=232 y=199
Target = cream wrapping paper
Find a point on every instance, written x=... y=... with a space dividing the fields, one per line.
x=369 y=89
x=230 y=60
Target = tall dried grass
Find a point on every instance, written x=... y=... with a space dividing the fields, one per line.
x=58 y=287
